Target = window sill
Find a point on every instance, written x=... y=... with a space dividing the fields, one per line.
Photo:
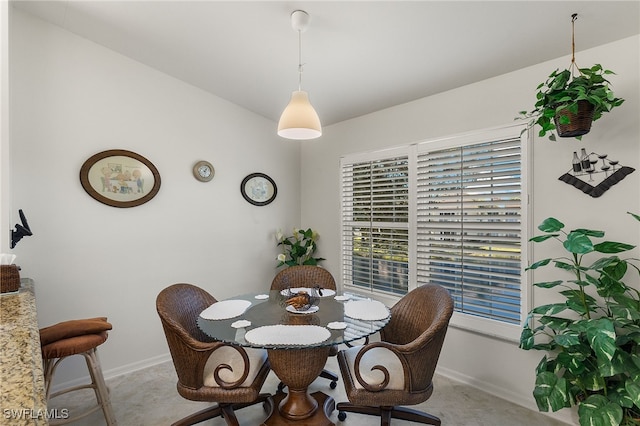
x=470 y=323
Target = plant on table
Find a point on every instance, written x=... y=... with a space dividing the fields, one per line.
x=298 y=249
x=593 y=336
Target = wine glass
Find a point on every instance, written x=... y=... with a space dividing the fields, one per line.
x=591 y=171
x=613 y=164
x=602 y=157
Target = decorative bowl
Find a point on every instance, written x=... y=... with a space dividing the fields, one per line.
x=301 y=300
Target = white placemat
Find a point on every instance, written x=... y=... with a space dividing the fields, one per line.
x=326 y=292
x=225 y=309
x=281 y=334
x=337 y=325
x=369 y=310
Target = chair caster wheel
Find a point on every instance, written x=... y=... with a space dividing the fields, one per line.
x=333 y=385
x=342 y=415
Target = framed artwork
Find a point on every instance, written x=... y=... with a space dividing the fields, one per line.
x=120 y=178
x=258 y=189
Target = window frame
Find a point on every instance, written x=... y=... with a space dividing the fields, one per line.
x=469 y=322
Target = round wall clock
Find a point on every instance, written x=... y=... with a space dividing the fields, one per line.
x=258 y=189
x=203 y=171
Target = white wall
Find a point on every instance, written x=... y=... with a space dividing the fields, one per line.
x=4 y=128
x=495 y=365
x=72 y=98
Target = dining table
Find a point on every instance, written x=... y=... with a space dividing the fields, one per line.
x=298 y=342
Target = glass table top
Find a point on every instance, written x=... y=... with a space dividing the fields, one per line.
x=268 y=316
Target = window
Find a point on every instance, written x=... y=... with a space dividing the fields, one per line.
x=450 y=212
x=375 y=224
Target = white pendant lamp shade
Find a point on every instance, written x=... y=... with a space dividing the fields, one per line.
x=299 y=120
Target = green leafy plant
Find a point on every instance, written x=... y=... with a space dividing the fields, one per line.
x=298 y=249
x=593 y=336
x=562 y=91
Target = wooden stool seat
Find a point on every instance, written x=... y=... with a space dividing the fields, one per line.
x=73 y=345
x=77 y=337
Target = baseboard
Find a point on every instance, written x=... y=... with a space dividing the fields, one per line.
x=115 y=372
x=564 y=416
x=135 y=366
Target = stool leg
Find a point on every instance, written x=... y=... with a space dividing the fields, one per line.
x=101 y=390
x=50 y=366
x=97 y=384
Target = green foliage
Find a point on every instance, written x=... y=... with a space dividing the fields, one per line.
x=298 y=249
x=562 y=91
x=592 y=337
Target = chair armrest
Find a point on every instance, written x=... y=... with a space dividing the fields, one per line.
x=224 y=362
x=384 y=369
x=425 y=339
x=190 y=356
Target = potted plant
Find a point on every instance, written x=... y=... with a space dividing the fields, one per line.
x=569 y=104
x=298 y=249
x=592 y=337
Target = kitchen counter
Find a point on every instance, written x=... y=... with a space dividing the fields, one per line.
x=22 y=396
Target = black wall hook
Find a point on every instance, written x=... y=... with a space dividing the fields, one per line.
x=21 y=230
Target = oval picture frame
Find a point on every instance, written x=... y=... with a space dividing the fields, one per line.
x=120 y=178
x=258 y=189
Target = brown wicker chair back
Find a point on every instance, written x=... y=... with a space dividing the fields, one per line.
x=178 y=307
x=308 y=276
x=303 y=276
x=419 y=323
x=414 y=336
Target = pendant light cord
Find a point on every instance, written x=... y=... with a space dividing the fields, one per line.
x=573 y=66
x=299 y=60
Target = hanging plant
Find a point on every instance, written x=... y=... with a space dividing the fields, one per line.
x=571 y=99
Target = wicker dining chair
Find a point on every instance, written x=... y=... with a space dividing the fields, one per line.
x=208 y=370
x=380 y=377
x=308 y=276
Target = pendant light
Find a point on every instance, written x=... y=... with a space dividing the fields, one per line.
x=299 y=120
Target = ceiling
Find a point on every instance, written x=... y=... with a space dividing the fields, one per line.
x=359 y=56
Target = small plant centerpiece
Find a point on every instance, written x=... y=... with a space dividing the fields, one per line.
x=571 y=99
x=298 y=249
x=592 y=337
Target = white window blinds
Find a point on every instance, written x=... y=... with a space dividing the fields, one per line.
x=375 y=214
x=469 y=206
x=449 y=211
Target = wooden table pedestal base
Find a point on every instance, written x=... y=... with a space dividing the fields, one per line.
x=298 y=368
x=319 y=418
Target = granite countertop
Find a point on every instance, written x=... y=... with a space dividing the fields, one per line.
x=22 y=396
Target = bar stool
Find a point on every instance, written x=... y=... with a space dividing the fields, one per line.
x=77 y=337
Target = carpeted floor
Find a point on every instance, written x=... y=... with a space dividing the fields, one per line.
x=148 y=398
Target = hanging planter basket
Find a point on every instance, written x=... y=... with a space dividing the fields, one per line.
x=570 y=125
x=585 y=91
